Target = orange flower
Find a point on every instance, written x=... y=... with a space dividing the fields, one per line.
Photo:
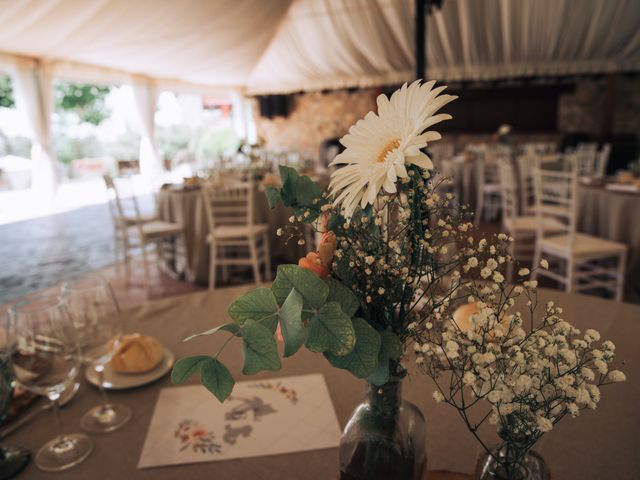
x=312 y=262
x=326 y=249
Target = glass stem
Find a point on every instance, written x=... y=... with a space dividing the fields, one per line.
x=53 y=398
x=103 y=392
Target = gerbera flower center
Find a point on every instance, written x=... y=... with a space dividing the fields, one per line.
x=389 y=147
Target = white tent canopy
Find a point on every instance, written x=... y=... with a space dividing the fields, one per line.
x=283 y=45
x=277 y=46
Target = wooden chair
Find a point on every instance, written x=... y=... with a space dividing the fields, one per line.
x=589 y=262
x=133 y=230
x=523 y=227
x=525 y=165
x=233 y=231
x=602 y=160
x=488 y=188
x=441 y=151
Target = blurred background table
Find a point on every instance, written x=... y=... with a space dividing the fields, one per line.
x=615 y=216
x=185 y=206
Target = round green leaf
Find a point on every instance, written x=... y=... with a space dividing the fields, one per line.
x=293 y=330
x=259 y=349
x=216 y=378
x=362 y=361
x=258 y=305
x=331 y=330
x=313 y=289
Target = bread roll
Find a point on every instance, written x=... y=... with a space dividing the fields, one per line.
x=462 y=318
x=137 y=354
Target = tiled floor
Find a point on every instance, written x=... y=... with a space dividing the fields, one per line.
x=43 y=252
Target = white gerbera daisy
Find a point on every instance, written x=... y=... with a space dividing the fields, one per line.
x=379 y=146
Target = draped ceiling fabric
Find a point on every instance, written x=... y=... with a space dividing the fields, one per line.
x=257 y=46
x=343 y=43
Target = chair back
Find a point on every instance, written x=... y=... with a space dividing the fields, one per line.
x=123 y=203
x=441 y=151
x=229 y=204
x=602 y=159
x=508 y=190
x=556 y=199
x=487 y=171
x=584 y=161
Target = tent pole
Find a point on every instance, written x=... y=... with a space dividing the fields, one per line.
x=421 y=30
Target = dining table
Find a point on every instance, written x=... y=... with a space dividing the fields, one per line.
x=602 y=212
x=614 y=215
x=186 y=207
x=597 y=445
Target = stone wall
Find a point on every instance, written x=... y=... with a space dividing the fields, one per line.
x=318 y=116
x=314 y=118
x=585 y=109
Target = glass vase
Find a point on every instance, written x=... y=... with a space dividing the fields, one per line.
x=384 y=438
x=509 y=463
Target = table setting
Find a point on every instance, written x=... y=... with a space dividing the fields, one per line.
x=392 y=349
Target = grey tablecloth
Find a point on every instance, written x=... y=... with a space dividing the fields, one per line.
x=598 y=445
x=614 y=216
x=187 y=208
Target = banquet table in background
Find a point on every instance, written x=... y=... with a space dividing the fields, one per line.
x=614 y=216
x=596 y=445
x=602 y=213
x=187 y=208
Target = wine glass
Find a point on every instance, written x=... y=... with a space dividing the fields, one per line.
x=95 y=314
x=45 y=359
x=12 y=458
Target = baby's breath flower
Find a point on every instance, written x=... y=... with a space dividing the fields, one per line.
x=438 y=397
x=524 y=272
x=544 y=424
x=544 y=264
x=617 y=376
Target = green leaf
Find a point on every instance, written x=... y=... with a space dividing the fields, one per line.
x=185 y=367
x=380 y=375
x=289 y=178
x=390 y=349
x=258 y=305
x=349 y=303
x=273 y=196
x=331 y=330
x=363 y=359
x=259 y=349
x=313 y=289
x=293 y=331
x=227 y=327
x=216 y=378
x=306 y=191
x=390 y=346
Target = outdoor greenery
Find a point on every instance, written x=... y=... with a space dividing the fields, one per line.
x=87 y=101
x=6 y=93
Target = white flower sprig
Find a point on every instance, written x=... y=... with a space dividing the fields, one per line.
x=530 y=373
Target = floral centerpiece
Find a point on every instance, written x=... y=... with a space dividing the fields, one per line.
x=519 y=371
x=392 y=261
x=352 y=300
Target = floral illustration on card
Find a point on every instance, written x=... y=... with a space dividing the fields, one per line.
x=193 y=435
x=289 y=393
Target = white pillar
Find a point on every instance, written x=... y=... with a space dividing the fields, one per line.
x=33 y=87
x=237 y=112
x=146 y=98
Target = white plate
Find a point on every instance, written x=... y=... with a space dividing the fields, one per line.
x=122 y=381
